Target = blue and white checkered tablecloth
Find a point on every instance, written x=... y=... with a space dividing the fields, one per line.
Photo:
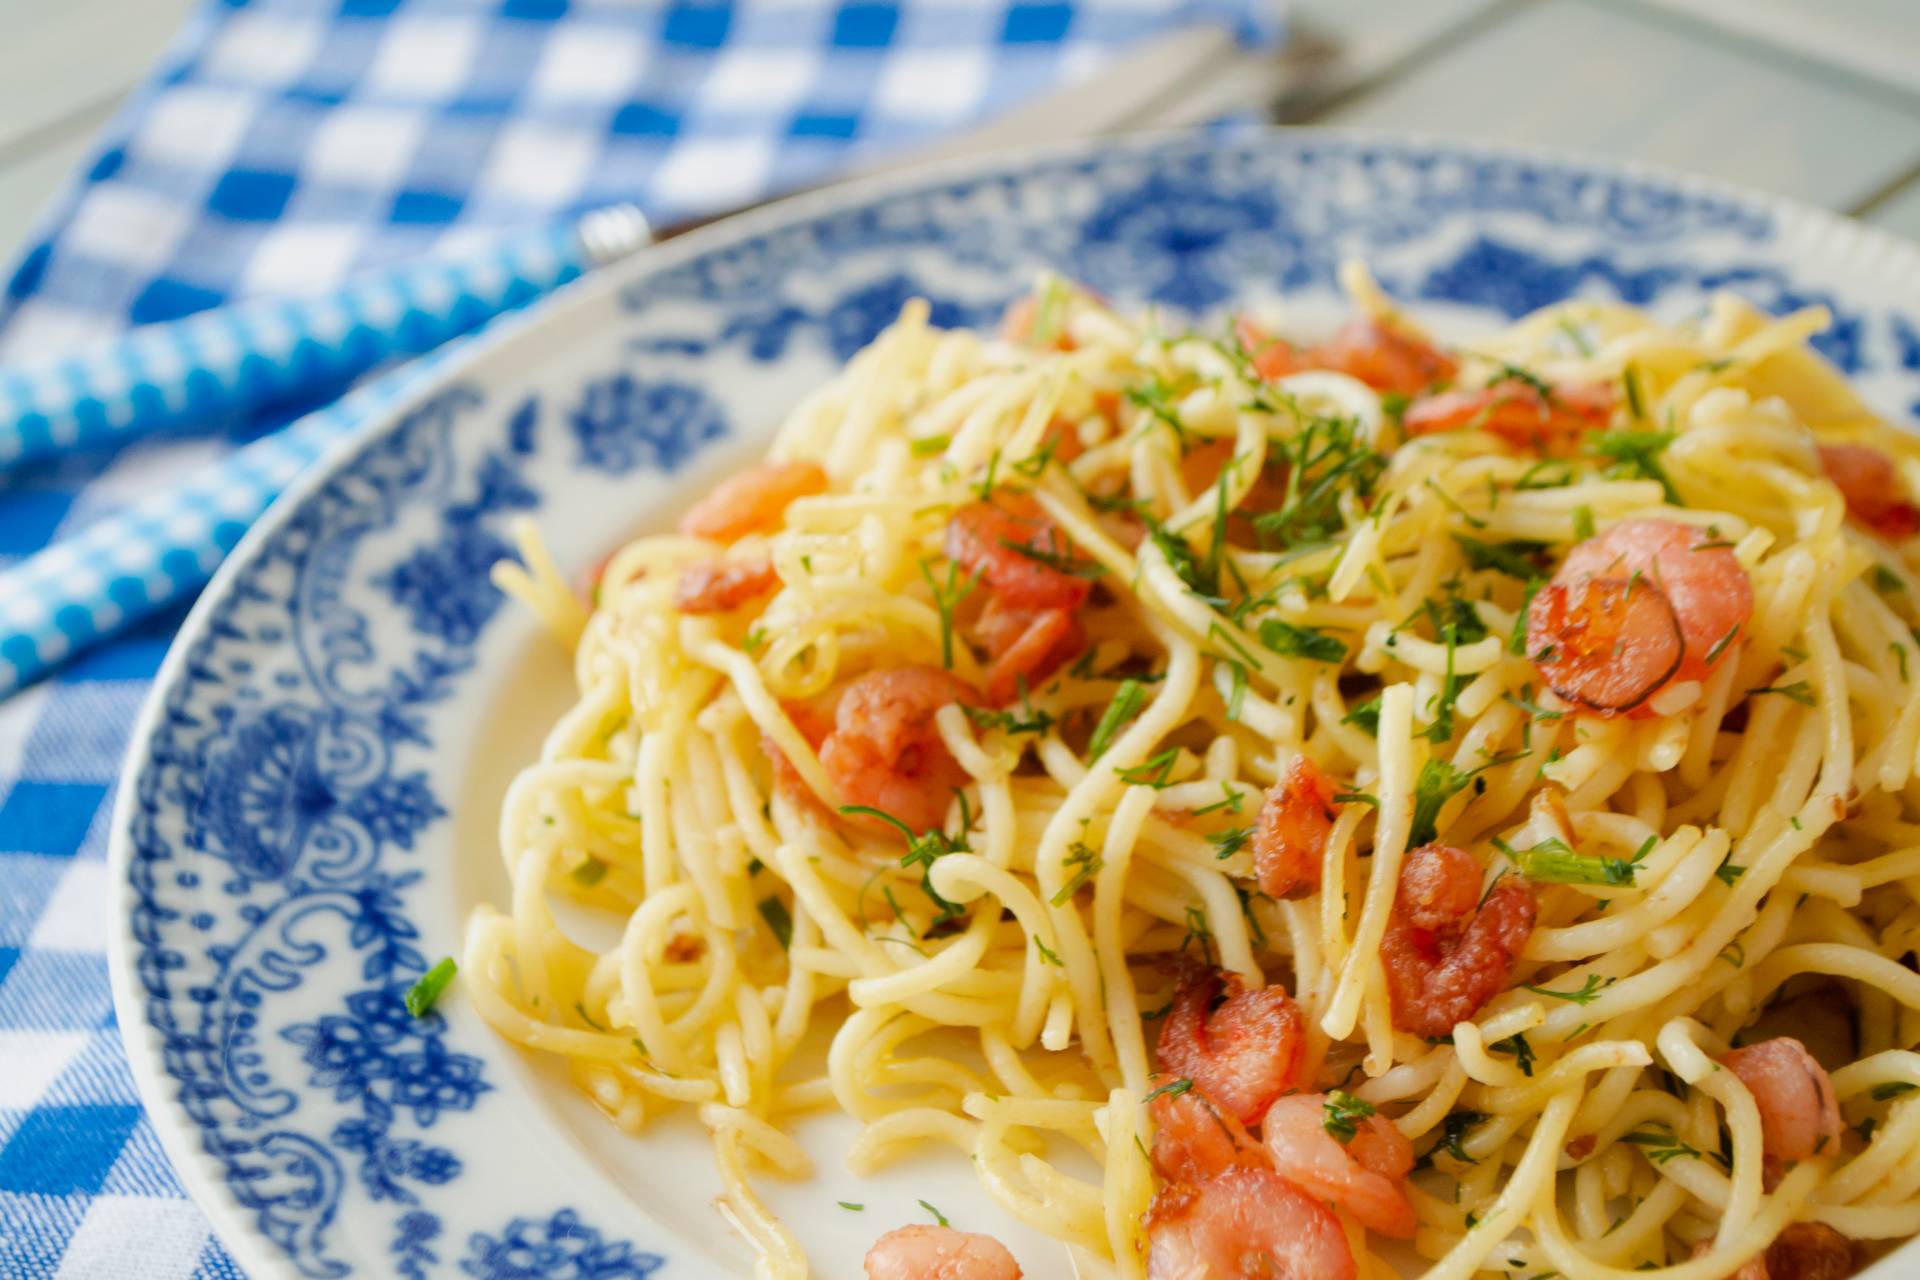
x=278 y=146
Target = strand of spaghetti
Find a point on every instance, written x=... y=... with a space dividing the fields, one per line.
x=1127 y=1187
x=1898 y=981
x=1084 y=802
x=1528 y=1190
x=1716 y=1263
x=734 y=1134
x=1122 y=1001
x=1395 y=816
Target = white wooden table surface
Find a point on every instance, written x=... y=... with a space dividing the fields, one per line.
x=1815 y=99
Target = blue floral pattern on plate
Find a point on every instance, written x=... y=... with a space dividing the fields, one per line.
x=284 y=837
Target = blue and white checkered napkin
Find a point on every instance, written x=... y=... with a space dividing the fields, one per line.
x=280 y=146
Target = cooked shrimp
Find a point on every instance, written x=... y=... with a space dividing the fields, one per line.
x=1017 y=552
x=1518 y=413
x=1290 y=839
x=1799 y=1115
x=885 y=750
x=939 y=1253
x=1385 y=358
x=1243 y=1054
x=1193 y=1138
x=1607 y=644
x=717 y=586
x=1875 y=495
x=1382 y=357
x=1272 y=357
x=752 y=501
x=1366 y=1175
x=1802 y=1251
x=1244 y=1224
x=1025 y=646
x=1447 y=952
x=1603 y=633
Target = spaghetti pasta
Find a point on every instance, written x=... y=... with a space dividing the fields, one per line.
x=1489 y=741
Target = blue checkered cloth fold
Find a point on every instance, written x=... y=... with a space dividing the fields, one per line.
x=279 y=147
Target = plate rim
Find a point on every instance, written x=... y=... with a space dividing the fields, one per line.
x=1849 y=242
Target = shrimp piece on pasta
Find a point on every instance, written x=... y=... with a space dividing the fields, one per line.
x=1874 y=492
x=720 y=586
x=1802 y=1251
x=1799 y=1115
x=1244 y=1224
x=1377 y=354
x=923 y=1252
x=1034 y=586
x=752 y=501
x=1365 y=1174
x=1243 y=1054
x=885 y=751
x=1637 y=607
x=1193 y=1138
x=1290 y=838
x=1446 y=952
x=1552 y=424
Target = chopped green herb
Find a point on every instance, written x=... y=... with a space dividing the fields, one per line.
x=590 y=872
x=775 y=913
x=1230 y=841
x=1576 y=336
x=1900 y=655
x=1885 y=580
x=923 y=850
x=1636 y=405
x=1514 y=373
x=1198 y=931
x=1660 y=1145
x=1800 y=691
x=1553 y=861
x=1636 y=453
x=1892 y=1089
x=927 y=446
x=938 y=1216
x=1453 y=504
x=1513 y=558
x=1454 y=1129
x=1155 y=771
x=1582 y=522
x=1157 y=399
x=1720 y=645
x=1230 y=801
x=1325 y=461
x=1438 y=782
x=1126 y=701
x=1728 y=870
x=1058 y=561
x=851 y=1206
x=1027 y=720
x=1172 y=1089
x=1344 y=1112
x=1517 y=1046
x=1290 y=641
x=1366 y=715
x=945 y=598
x=1047 y=954
x=1517 y=640
x=1086 y=862
x=424 y=994
x=1585 y=995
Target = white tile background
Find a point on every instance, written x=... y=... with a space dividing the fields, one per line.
x=1817 y=99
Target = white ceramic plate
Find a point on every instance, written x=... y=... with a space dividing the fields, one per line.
x=309 y=805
